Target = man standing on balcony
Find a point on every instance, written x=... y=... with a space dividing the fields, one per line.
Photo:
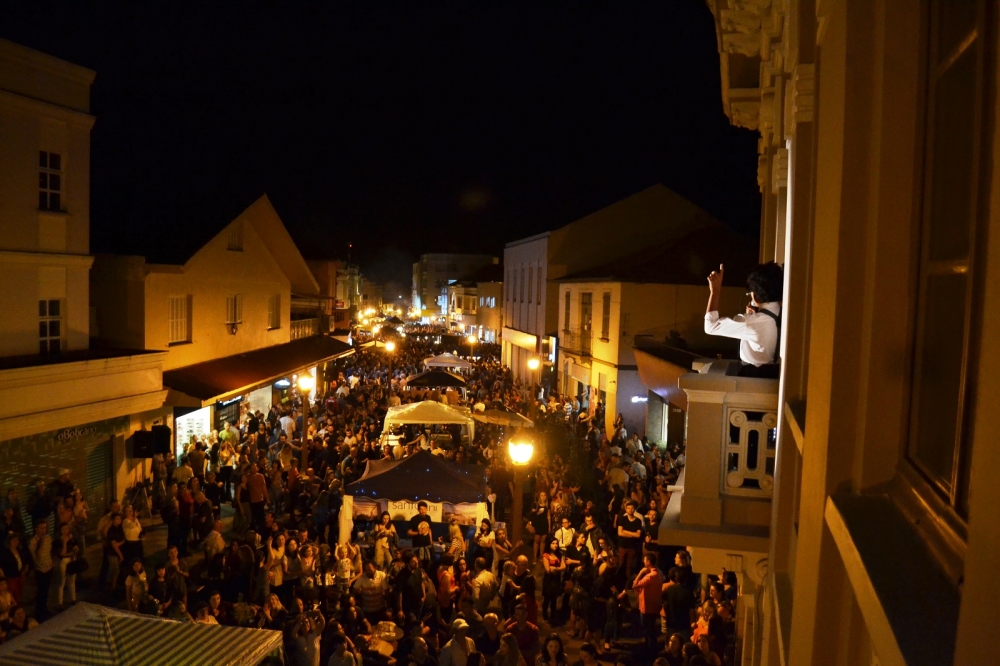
x=759 y=329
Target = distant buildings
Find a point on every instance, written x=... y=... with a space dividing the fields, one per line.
x=433 y=273
x=474 y=303
x=62 y=403
x=656 y=295
x=533 y=266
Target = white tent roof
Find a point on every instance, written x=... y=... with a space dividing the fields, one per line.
x=93 y=635
x=428 y=412
x=447 y=360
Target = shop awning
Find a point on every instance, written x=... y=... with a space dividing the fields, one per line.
x=219 y=378
x=421 y=476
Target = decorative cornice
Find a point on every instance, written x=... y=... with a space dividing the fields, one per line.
x=779 y=170
x=803 y=92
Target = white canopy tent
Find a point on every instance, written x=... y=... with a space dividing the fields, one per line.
x=428 y=412
x=447 y=360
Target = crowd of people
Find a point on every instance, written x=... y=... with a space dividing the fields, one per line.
x=589 y=568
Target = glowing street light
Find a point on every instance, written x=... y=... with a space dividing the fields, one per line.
x=390 y=347
x=307 y=383
x=521 y=451
x=533 y=364
x=472 y=340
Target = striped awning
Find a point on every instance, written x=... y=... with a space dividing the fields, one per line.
x=92 y=635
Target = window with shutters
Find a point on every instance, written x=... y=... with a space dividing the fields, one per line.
x=949 y=274
x=605 y=315
x=274 y=312
x=531 y=283
x=50 y=326
x=235 y=240
x=566 y=301
x=234 y=309
x=538 y=295
x=521 y=292
x=178 y=320
x=50 y=177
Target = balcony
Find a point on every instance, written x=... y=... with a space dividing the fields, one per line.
x=577 y=341
x=725 y=501
x=304 y=328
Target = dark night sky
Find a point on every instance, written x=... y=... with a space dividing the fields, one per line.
x=401 y=128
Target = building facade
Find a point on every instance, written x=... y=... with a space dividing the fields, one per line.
x=489 y=315
x=651 y=217
x=62 y=404
x=599 y=321
x=433 y=273
x=227 y=306
x=877 y=149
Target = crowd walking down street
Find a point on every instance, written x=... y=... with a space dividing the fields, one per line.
x=245 y=531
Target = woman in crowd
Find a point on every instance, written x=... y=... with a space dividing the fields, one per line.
x=554 y=565
x=552 y=653
x=384 y=535
x=132 y=527
x=540 y=524
x=64 y=551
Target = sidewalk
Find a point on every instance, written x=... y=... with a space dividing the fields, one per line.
x=87 y=589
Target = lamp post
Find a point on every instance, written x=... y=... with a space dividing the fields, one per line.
x=472 y=339
x=533 y=364
x=389 y=348
x=520 y=450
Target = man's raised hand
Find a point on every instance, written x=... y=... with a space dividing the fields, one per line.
x=715 y=279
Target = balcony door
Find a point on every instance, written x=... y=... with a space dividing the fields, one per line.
x=586 y=322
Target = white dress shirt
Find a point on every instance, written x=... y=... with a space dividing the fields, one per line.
x=757 y=333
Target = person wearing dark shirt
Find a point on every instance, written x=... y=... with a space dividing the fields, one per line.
x=410 y=584
x=630 y=531
x=421 y=542
x=678 y=603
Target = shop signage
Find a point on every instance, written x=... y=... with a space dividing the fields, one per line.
x=73 y=433
x=406 y=509
x=231 y=400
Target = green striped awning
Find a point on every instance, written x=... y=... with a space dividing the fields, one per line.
x=92 y=635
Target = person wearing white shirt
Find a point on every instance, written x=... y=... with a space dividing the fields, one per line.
x=565 y=535
x=759 y=329
x=288 y=425
x=214 y=543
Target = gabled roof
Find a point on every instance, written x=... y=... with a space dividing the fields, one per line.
x=267 y=223
x=687 y=260
x=265 y=220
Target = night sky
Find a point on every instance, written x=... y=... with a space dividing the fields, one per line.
x=400 y=128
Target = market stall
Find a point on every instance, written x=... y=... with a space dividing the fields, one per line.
x=447 y=360
x=89 y=634
x=451 y=490
x=428 y=413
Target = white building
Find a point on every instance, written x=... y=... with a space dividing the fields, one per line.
x=62 y=404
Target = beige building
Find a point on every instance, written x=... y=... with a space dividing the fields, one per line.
x=877 y=150
x=62 y=404
x=222 y=316
x=652 y=217
x=656 y=294
x=489 y=315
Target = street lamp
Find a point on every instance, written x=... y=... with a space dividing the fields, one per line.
x=390 y=347
x=533 y=364
x=520 y=450
x=472 y=345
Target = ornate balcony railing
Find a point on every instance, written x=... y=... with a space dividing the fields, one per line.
x=304 y=328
